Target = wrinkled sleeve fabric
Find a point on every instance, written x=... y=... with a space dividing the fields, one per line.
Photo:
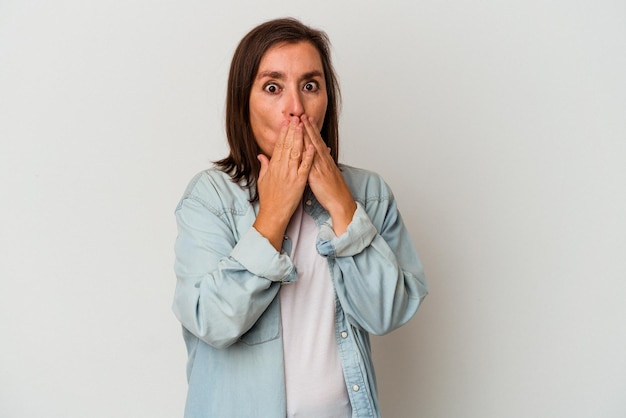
x=224 y=281
x=378 y=276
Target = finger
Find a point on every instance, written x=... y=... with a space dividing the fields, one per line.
x=307 y=160
x=298 y=144
x=280 y=142
x=290 y=133
x=307 y=139
x=288 y=140
x=313 y=133
x=264 y=164
x=322 y=159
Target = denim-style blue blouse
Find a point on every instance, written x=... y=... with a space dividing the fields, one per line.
x=229 y=276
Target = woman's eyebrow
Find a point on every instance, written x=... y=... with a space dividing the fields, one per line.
x=312 y=74
x=279 y=75
x=271 y=74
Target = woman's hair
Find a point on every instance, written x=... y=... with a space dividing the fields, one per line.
x=242 y=164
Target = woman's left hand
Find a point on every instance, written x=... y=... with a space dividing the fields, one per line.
x=326 y=180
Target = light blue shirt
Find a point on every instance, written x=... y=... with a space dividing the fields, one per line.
x=229 y=276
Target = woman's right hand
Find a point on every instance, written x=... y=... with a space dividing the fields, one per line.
x=282 y=180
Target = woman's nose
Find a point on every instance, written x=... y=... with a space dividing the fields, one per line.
x=295 y=107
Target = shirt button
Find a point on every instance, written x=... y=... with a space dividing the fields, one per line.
x=344 y=335
x=285 y=237
x=356 y=388
x=308 y=202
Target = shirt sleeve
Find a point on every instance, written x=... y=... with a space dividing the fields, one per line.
x=377 y=273
x=224 y=284
x=358 y=236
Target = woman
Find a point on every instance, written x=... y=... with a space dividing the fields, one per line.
x=287 y=261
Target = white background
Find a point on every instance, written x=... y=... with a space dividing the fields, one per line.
x=500 y=125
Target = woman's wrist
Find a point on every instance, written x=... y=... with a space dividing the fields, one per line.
x=272 y=228
x=342 y=216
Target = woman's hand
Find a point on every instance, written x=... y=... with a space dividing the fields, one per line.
x=326 y=180
x=282 y=180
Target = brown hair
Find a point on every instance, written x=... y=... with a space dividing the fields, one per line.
x=242 y=164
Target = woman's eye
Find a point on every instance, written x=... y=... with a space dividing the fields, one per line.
x=311 y=86
x=271 y=88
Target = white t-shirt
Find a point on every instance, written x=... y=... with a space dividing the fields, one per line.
x=313 y=375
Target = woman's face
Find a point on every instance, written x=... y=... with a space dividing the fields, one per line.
x=290 y=82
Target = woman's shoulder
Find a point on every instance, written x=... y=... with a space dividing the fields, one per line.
x=365 y=184
x=214 y=187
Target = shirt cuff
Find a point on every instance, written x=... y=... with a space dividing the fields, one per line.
x=255 y=253
x=359 y=235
